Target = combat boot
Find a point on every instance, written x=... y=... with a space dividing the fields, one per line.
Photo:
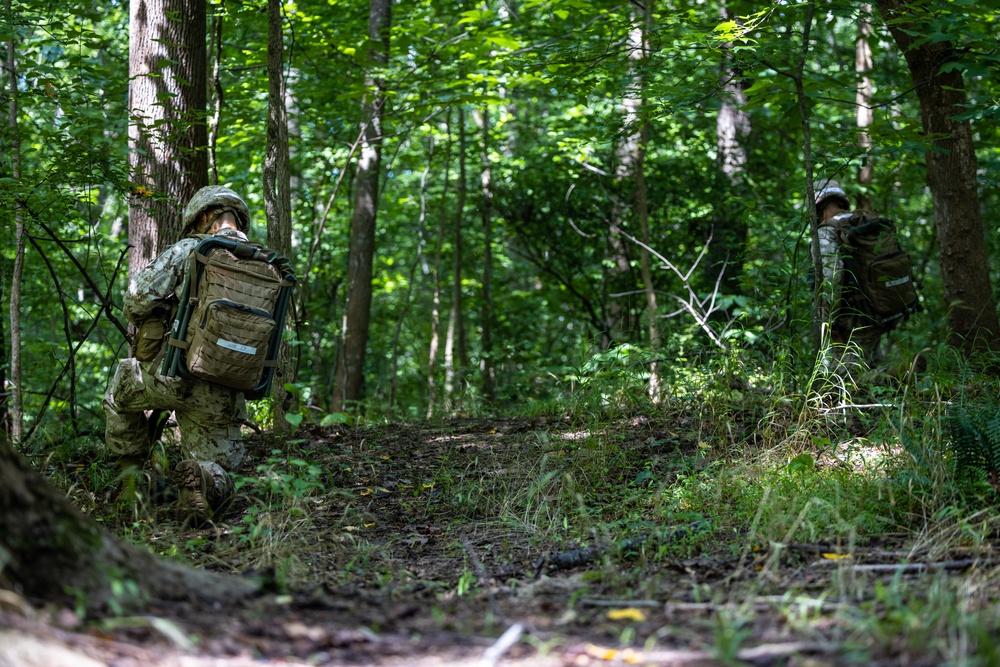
x=193 y=483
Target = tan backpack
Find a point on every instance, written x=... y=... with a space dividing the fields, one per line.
x=879 y=270
x=230 y=317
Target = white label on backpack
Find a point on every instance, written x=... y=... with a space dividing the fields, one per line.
x=236 y=347
x=897 y=281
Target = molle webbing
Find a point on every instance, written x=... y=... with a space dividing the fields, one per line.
x=253 y=284
x=229 y=326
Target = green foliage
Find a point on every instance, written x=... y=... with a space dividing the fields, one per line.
x=974 y=436
x=570 y=323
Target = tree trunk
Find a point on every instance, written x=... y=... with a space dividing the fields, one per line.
x=217 y=99
x=863 y=101
x=642 y=208
x=951 y=177
x=5 y=426
x=167 y=133
x=357 y=309
x=486 y=362
x=16 y=390
x=732 y=127
x=277 y=183
x=438 y=252
x=49 y=550
x=454 y=345
x=631 y=167
x=417 y=261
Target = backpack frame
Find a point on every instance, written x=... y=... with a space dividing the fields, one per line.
x=175 y=362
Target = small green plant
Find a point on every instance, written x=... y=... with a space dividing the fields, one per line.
x=729 y=632
x=974 y=437
x=465 y=582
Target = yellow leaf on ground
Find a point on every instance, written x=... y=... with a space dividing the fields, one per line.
x=601 y=653
x=836 y=556
x=627 y=614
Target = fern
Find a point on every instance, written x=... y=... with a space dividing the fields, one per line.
x=974 y=434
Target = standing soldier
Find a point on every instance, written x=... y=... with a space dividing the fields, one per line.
x=852 y=337
x=210 y=417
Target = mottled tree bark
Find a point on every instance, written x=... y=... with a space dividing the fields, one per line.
x=454 y=344
x=49 y=550
x=217 y=98
x=167 y=131
x=357 y=309
x=16 y=405
x=863 y=101
x=277 y=182
x=632 y=167
x=951 y=177
x=642 y=207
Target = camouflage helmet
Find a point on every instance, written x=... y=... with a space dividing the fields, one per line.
x=214 y=196
x=826 y=190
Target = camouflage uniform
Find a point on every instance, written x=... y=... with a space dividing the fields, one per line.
x=852 y=347
x=209 y=416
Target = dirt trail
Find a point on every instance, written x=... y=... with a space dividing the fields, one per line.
x=422 y=544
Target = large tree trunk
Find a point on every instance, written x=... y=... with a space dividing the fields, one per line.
x=167 y=132
x=863 y=101
x=486 y=363
x=49 y=550
x=357 y=310
x=951 y=177
x=16 y=390
x=277 y=182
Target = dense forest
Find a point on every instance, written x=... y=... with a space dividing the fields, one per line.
x=533 y=210
x=543 y=193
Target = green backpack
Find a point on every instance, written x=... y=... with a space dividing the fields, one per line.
x=878 y=268
x=230 y=317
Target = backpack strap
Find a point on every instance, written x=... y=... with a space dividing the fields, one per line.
x=182 y=344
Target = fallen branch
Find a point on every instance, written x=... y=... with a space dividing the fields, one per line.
x=762 y=654
x=576 y=557
x=906 y=568
x=503 y=644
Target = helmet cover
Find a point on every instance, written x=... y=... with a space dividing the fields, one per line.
x=214 y=196
x=826 y=190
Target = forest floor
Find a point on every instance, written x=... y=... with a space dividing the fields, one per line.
x=522 y=542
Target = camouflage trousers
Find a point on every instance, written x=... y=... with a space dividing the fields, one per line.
x=853 y=353
x=209 y=417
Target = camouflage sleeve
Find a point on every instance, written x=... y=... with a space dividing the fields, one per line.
x=155 y=286
x=829 y=255
x=832 y=266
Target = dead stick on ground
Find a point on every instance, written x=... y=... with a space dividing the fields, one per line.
x=585 y=555
x=503 y=644
x=762 y=654
x=923 y=567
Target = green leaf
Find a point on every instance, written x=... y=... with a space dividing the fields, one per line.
x=335 y=418
x=471 y=16
x=503 y=40
x=294 y=419
x=801 y=464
